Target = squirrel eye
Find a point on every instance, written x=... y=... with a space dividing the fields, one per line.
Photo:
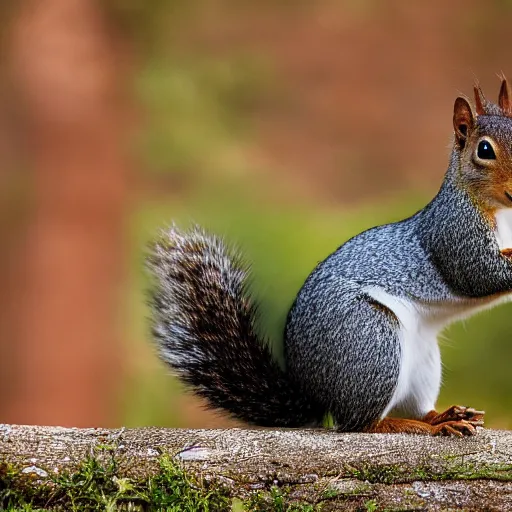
x=485 y=151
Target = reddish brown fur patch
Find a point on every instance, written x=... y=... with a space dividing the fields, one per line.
x=480 y=100
x=430 y=416
x=488 y=191
x=504 y=100
x=488 y=212
x=491 y=192
x=463 y=120
x=397 y=425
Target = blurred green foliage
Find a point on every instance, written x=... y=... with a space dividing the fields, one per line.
x=145 y=23
x=195 y=110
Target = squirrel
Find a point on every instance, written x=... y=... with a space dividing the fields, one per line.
x=360 y=340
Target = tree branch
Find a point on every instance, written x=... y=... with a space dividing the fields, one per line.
x=315 y=466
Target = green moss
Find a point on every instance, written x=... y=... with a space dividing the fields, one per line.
x=16 y=491
x=370 y=505
x=450 y=470
x=383 y=474
x=173 y=489
x=330 y=493
x=97 y=485
x=277 y=500
x=359 y=489
x=470 y=471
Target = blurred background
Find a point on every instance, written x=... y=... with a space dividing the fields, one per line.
x=287 y=126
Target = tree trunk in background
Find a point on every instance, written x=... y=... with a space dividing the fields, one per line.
x=63 y=344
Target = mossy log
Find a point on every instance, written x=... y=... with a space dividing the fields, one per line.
x=323 y=469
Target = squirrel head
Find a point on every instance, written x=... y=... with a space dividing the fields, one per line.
x=483 y=144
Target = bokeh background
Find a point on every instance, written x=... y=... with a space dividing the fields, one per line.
x=287 y=126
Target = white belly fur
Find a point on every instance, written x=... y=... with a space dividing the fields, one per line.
x=504 y=228
x=420 y=369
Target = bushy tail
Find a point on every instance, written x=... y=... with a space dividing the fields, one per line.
x=203 y=324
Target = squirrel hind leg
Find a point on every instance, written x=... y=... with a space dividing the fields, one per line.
x=457 y=428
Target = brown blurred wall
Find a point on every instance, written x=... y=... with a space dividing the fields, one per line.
x=61 y=269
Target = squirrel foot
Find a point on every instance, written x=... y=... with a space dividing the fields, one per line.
x=459 y=427
x=456 y=413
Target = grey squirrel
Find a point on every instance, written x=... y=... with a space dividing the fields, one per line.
x=361 y=336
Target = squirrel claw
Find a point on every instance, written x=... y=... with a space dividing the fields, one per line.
x=457 y=413
x=459 y=428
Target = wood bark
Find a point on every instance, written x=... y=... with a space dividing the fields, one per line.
x=343 y=471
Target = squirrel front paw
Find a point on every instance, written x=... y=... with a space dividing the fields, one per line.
x=459 y=428
x=456 y=413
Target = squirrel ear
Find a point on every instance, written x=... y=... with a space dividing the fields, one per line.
x=505 y=100
x=480 y=100
x=463 y=120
